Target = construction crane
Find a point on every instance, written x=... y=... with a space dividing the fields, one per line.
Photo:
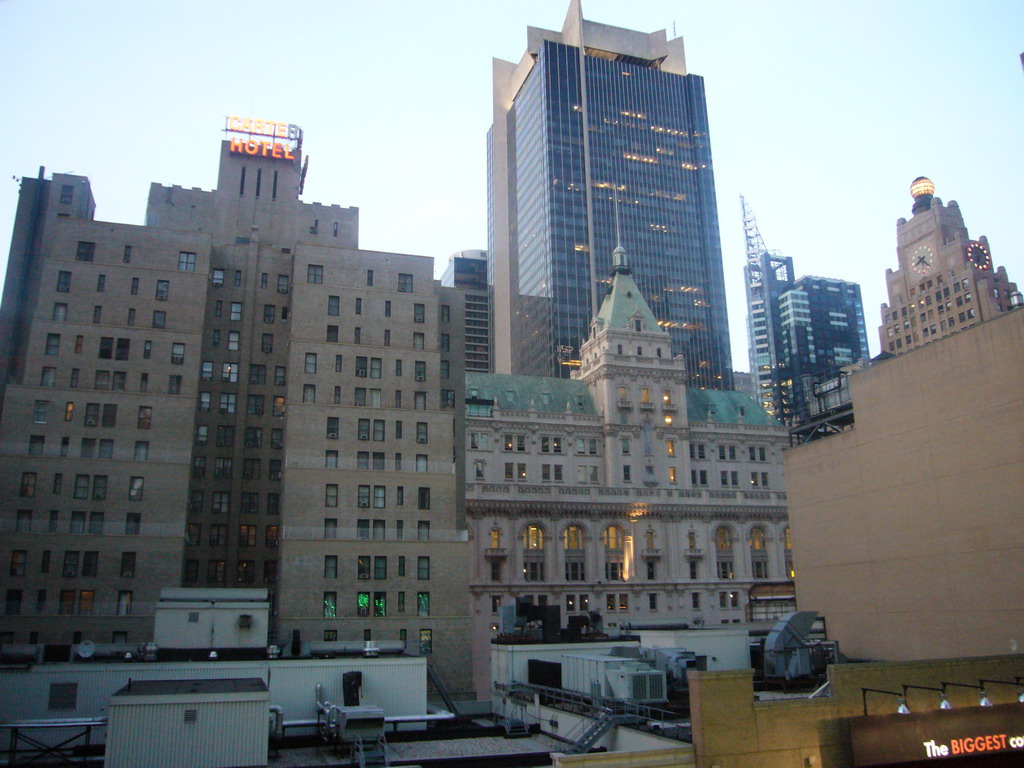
x=766 y=274
x=755 y=245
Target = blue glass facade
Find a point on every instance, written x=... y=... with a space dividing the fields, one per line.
x=802 y=333
x=639 y=143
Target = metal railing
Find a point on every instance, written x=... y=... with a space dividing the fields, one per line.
x=641 y=715
x=27 y=744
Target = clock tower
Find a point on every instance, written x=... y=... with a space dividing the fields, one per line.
x=945 y=280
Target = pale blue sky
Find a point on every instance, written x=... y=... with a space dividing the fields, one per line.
x=821 y=113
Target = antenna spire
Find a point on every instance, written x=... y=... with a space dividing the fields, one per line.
x=619 y=264
x=618 y=233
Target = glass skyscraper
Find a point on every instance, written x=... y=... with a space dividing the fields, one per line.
x=801 y=333
x=600 y=128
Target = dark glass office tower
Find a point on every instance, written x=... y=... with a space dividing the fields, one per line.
x=597 y=124
x=822 y=325
x=801 y=332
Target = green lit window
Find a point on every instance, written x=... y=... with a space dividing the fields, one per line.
x=422 y=603
x=330 y=605
x=363 y=603
x=380 y=604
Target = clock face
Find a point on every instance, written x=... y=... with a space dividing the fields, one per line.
x=978 y=255
x=922 y=259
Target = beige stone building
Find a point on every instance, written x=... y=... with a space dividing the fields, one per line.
x=623 y=491
x=231 y=395
x=945 y=281
x=907 y=529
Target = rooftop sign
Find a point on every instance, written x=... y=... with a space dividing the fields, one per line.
x=938 y=734
x=263 y=138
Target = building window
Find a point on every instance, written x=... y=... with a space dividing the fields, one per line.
x=423 y=568
x=128 y=565
x=186 y=261
x=28 y=484
x=331 y=605
x=613 y=540
x=404 y=283
x=572 y=541
x=245 y=572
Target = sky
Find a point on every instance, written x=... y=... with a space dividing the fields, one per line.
x=821 y=114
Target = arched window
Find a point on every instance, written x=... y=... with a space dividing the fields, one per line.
x=757 y=539
x=575 y=556
x=572 y=537
x=723 y=545
x=533 y=553
x=495 y=538
x=723 y=539
x=758 y=554
x=614 y=540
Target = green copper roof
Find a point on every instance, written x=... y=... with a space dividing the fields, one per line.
x=623 y=302
x=725 y=407
x=523 y=393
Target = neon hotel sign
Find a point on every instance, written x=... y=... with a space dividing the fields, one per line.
x=263 y=138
